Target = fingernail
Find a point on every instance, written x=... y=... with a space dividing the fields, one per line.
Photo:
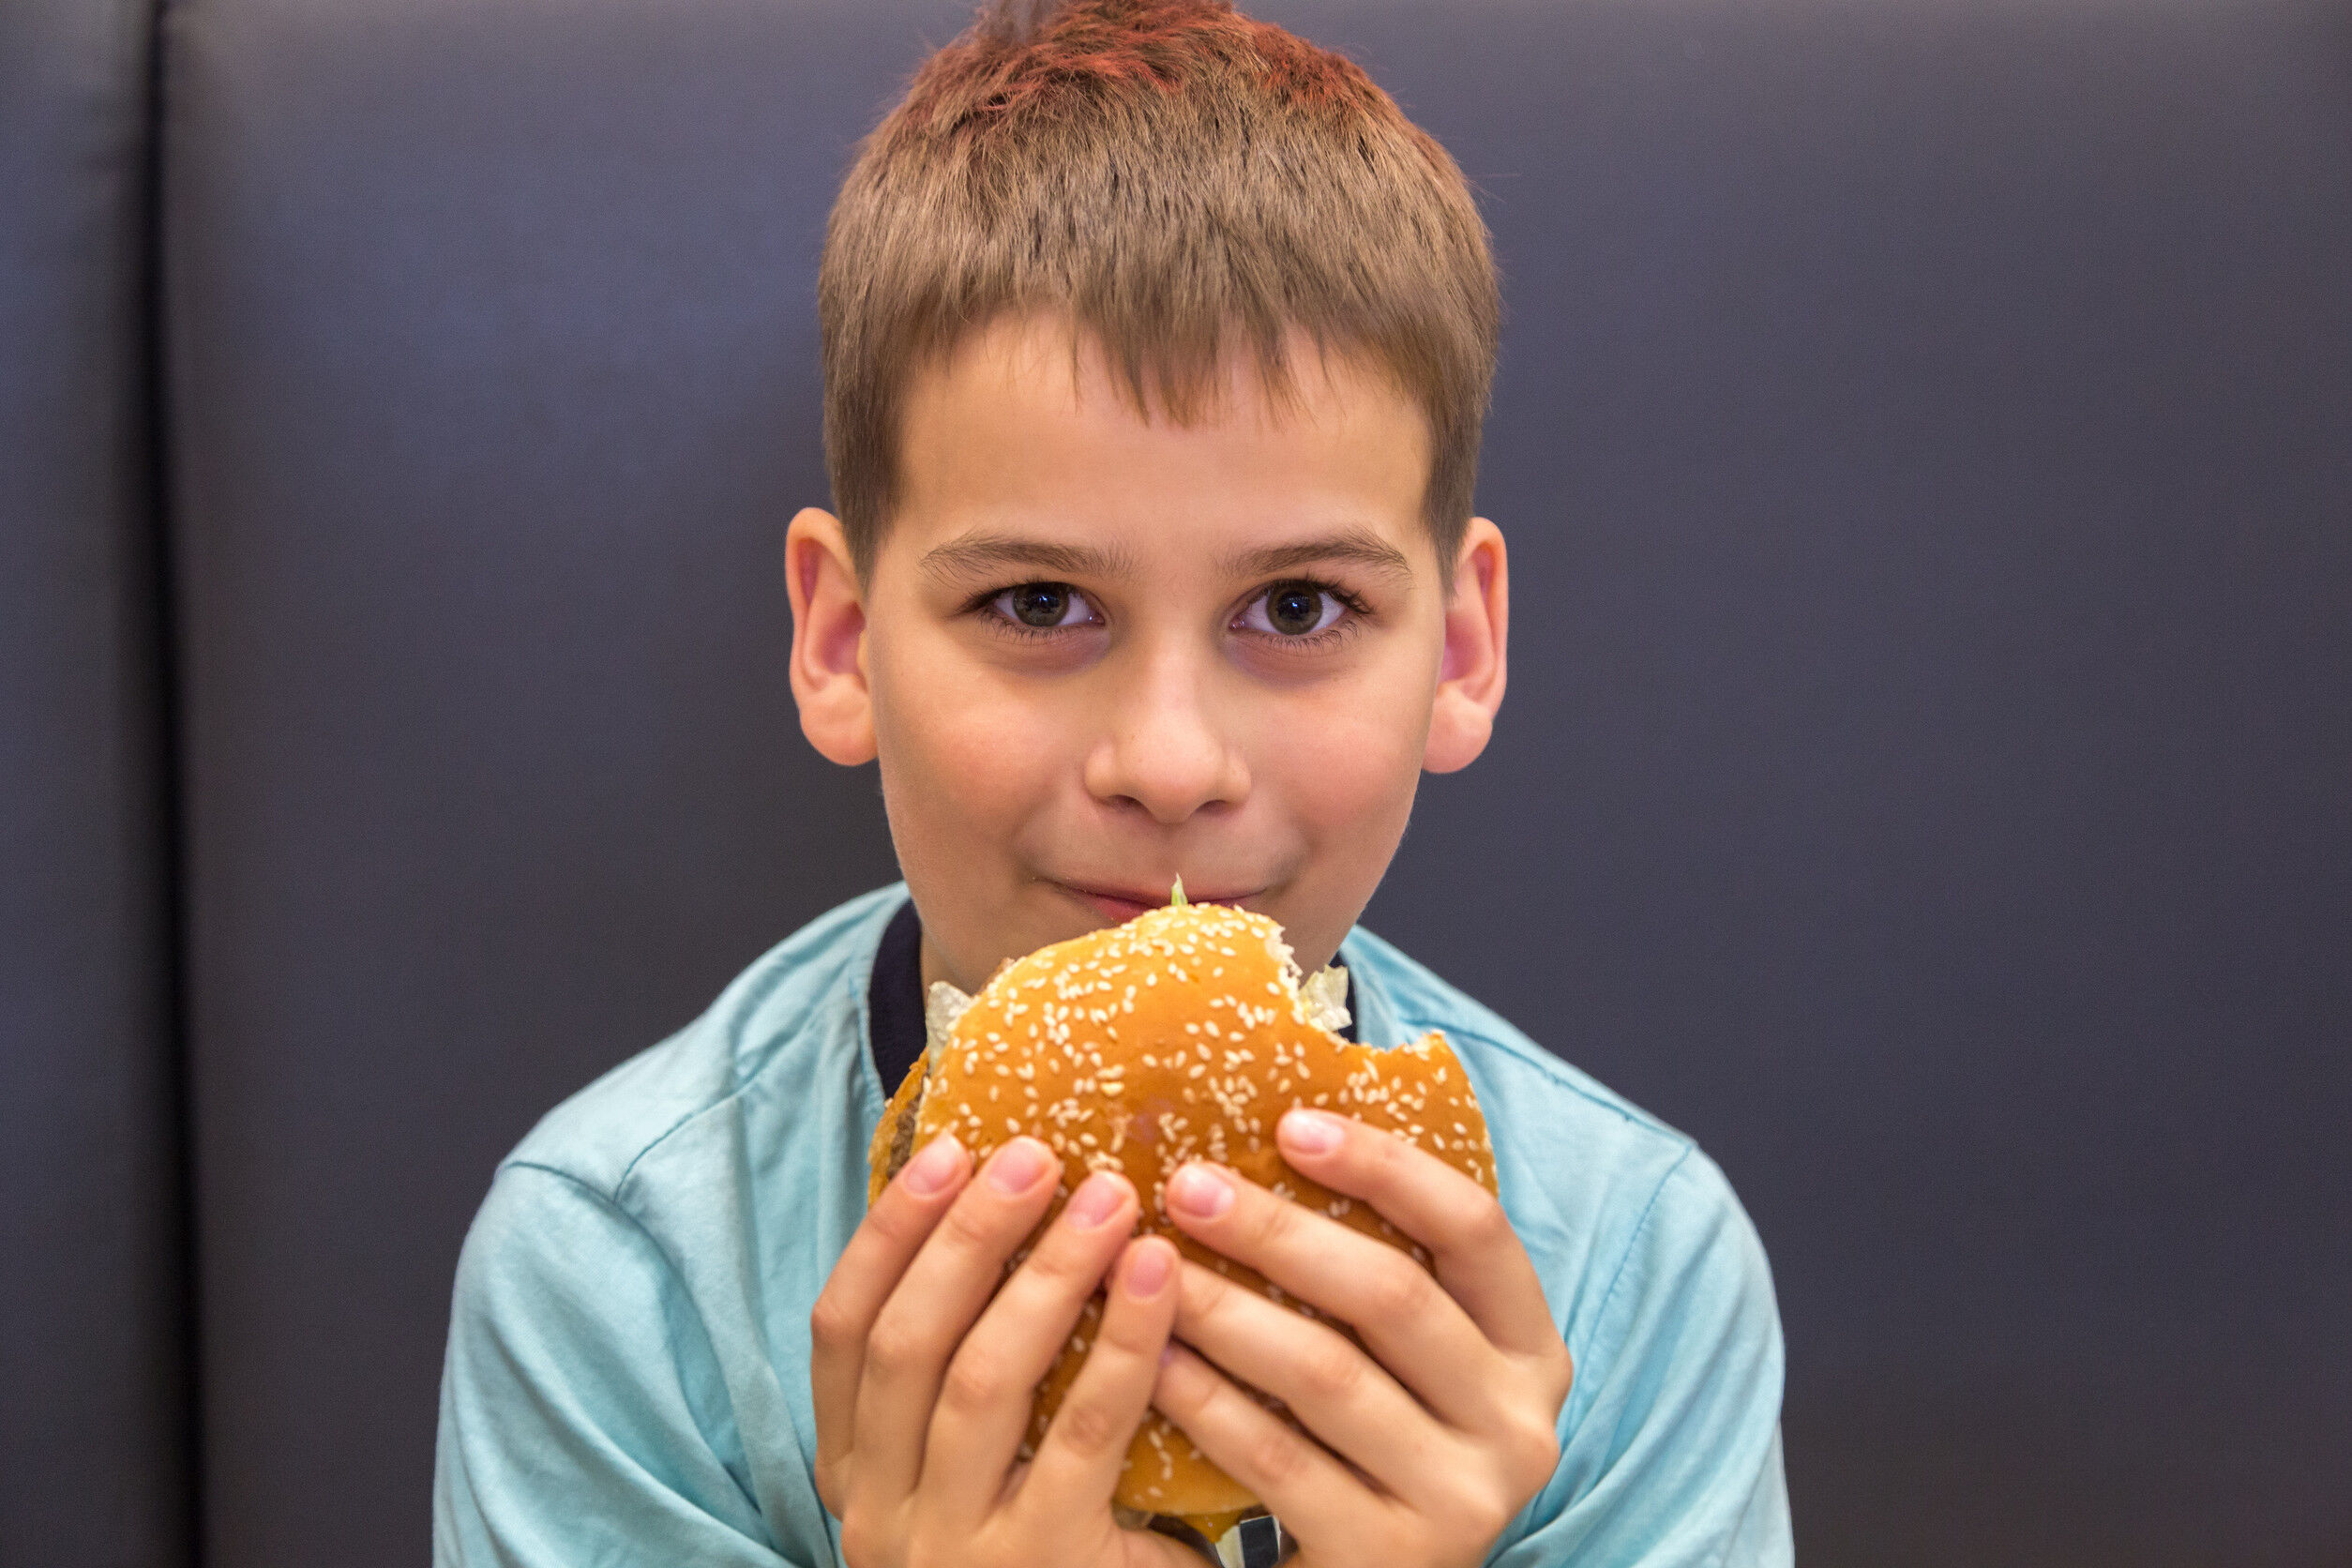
x=1098 y=1197
x=937 y=1166
x=1017 y=1166
x=1167 y=1353
x=1310 y=1132
x=1198 y=1193
x=1148 y=1268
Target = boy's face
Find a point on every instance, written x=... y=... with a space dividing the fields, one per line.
x=1096 y=653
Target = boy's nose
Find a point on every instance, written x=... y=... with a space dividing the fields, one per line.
x=1165 y=750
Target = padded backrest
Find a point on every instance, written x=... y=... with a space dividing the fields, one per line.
x=92 y=1289
x=1925 y=434
x=493 y=353
x=1922 y=435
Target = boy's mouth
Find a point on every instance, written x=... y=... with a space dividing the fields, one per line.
x=1120 y=905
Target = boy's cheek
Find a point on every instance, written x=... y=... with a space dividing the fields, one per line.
x=962 y=783
x=1345 y=760
x=978 y=792
x=937 y=714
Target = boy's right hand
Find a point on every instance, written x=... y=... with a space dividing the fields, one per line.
x=924 y=1368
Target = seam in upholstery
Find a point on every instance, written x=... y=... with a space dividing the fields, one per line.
x=188 y=1398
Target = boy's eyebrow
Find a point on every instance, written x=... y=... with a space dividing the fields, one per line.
x=980 y=554
x=977 y=554
x=1365 y=549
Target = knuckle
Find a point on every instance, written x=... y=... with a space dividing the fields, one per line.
x=1126 y=1333
x=1332 y=1370
x=1176 y=1394
x=1210 y=1298
x=1200 y=1290
x=1479 y=1506
x=1086 y=1426
x=1431 y=1540
x=970 y=1227
x=1542 y=1449
x=1058 y=1266
x=1501 y=1502
x=1278 y=1455
x=1483 y=1223
x=1122 y=1343
x=1489 y=1514
x=829 y=1325
x=972 y=1386
x=1543 y=1462
x=894 y=1347
x=862 y=1541
x=1531 y=1454
x=895 y=1222
x=1386 y=1162
x=1398 y=1291
x=829 y=1486
x=1265 y=1221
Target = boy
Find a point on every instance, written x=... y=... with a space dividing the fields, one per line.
x=1156 y=343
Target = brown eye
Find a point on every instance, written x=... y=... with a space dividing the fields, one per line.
x=1041 y=604
x=1045 y=606
x=1296 y=608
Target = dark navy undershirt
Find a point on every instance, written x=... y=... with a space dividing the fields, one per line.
x=893 y=1001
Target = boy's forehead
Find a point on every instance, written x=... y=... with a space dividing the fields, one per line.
x=1026 y=426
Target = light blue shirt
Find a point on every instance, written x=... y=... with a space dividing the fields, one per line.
x=627 y=1372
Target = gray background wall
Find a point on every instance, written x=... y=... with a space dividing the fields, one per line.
x=1925 y=439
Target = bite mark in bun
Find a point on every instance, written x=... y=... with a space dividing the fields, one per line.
x=1182 y=1035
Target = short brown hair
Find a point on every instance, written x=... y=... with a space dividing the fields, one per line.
x=1178 y=180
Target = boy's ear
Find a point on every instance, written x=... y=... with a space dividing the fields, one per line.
x=828 y=664
x=1477 y=634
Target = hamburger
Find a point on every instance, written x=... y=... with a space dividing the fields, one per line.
x=1182 y=1035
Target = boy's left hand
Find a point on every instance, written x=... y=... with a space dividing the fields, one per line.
x=1431 y=1443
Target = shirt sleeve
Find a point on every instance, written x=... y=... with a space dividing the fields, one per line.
x=1671 y=1441
x=584 y=1418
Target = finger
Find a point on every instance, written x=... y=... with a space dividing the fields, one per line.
x=1479 y=1256
x=869 y=1269
x=1078 y=1463
x=942 y=1291
x=1315 y=1497
x=985 y=1398
x=1414 y=1329
x=1341 y=1395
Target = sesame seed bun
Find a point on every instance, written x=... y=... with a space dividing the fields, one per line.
x=1182 y=1035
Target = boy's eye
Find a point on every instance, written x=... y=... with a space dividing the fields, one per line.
x=1293 y=609
x=1045 y=606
